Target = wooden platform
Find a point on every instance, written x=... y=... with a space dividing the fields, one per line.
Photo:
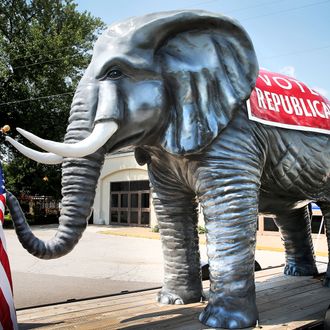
x=284 y=302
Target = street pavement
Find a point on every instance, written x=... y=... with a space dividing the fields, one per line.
x=103 y=263
x=99 y=265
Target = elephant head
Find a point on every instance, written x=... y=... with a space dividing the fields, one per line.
x=171 y=80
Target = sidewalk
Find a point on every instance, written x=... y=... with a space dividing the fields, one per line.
x=264 y=242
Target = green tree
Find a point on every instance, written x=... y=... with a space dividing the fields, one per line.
x=44 y=47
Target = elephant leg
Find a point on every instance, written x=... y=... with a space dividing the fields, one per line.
x=177 y=217
x=325 y=208
x=295 y=228
x=230 y=214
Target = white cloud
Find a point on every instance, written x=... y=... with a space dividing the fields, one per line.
x=322 y=91
x=288 y=70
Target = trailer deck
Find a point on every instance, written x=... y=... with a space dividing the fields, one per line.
x=284 y=302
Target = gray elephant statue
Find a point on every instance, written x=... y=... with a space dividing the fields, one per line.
x=174 y=85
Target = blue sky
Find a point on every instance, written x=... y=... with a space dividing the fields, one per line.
x=290 y=36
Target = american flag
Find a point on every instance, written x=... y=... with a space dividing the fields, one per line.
x=8 y=319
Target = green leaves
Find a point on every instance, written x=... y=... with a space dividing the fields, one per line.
x=44 y=48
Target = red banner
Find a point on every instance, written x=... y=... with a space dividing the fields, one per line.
x=283 y=101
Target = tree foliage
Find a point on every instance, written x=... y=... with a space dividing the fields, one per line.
x=44 y=47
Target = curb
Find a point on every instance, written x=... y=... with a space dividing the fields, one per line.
x=134 y=235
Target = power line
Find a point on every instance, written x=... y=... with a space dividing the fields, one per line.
x=200 y=3
x=286 y=10
x=205 y=2
x=36 y=98
x=297 y=52
x=43 y=53
x=255 y=6
x=44 y=62
x=242 y=8
x=196 y=4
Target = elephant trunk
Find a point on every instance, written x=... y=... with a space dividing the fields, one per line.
x=79 y=179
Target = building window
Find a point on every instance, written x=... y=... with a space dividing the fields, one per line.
x=267 y=224
x=130 y=203
x=317 y=225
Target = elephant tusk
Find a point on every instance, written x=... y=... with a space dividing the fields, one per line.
x=101 y=133
x=40 y=157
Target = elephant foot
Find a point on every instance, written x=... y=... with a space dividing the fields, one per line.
x=166 y=297
x=300 y=269
x=326 y=281
x=215 y=316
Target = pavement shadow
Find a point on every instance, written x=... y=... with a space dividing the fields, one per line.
x=181 y=317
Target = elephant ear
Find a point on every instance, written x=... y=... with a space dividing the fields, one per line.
x=209 y=67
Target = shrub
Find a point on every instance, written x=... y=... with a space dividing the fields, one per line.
x=155 y=229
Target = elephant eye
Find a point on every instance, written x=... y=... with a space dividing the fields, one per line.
x=114 y=74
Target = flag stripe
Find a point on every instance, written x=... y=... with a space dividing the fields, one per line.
x=5 y=318
x=8 y=320
x=5 y=263
x=2 y=206
x=6 y=290
x=2 y=238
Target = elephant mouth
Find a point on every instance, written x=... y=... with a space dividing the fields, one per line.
x=124 y=142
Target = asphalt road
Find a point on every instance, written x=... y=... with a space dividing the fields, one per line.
x=99 y=265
